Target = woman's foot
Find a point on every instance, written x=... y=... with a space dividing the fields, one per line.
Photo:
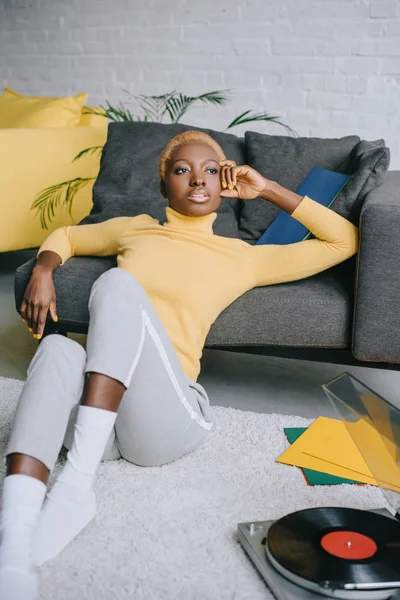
x=71 y=503
x=22 y=500
x=66 y=512
x=18 y=584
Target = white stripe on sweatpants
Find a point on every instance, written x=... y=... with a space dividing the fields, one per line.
x=148 y=325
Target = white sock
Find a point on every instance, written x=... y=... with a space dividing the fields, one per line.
x=22 y=500
x=71 y=504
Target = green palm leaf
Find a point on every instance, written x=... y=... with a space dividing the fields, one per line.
x=116 y=113
x=219 y=97
x=74 y=186
x=55 y=195
x=90 y=110
x=154 y=107
x=87 y=151
x=247 y=117
x=176 y=105
x=179 y=104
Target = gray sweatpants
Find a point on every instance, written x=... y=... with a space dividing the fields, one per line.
x=162 y=416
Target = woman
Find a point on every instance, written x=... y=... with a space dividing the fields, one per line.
x=149 y=318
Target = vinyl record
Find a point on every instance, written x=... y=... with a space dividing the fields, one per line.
x=336 y=549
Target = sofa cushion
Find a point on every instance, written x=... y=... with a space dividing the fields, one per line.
x=314 y=312
x=32 y=160
x=128 y=182
x=21 y=111
x=367 y=164
x=288 y=160
x=73 y=283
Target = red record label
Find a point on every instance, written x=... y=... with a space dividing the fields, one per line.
x=349 y=544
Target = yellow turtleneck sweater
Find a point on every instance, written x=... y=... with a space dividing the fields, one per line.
x=192 y=275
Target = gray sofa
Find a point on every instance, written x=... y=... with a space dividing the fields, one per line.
x=348 y=314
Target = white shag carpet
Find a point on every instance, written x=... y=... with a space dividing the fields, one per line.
x=169 y=532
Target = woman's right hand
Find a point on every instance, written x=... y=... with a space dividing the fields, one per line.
x=39 y=298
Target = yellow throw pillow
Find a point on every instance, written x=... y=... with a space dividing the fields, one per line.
x=34 y=159
x=17 y=110
x=90 y=119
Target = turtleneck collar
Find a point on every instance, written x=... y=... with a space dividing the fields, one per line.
x=176 y=220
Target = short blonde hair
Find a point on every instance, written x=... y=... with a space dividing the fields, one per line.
x=187 y=137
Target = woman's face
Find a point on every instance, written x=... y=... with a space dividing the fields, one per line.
x=192 y=181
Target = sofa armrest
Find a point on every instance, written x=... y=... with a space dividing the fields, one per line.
x=376 y=325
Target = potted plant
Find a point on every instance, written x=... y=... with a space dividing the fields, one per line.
x=171 y=107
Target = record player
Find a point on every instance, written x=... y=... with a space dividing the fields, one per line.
x=331 y=552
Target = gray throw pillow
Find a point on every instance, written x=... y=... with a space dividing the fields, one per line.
x=367 y=164
x=128 y=183
x=288 y=160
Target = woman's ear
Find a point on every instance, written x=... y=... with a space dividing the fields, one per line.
x=163 y=189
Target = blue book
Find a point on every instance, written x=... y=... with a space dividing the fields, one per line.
x=320 y=185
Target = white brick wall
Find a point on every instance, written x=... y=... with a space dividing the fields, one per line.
x=328 y=67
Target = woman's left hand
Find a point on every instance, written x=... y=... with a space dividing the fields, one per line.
x=241 y=181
